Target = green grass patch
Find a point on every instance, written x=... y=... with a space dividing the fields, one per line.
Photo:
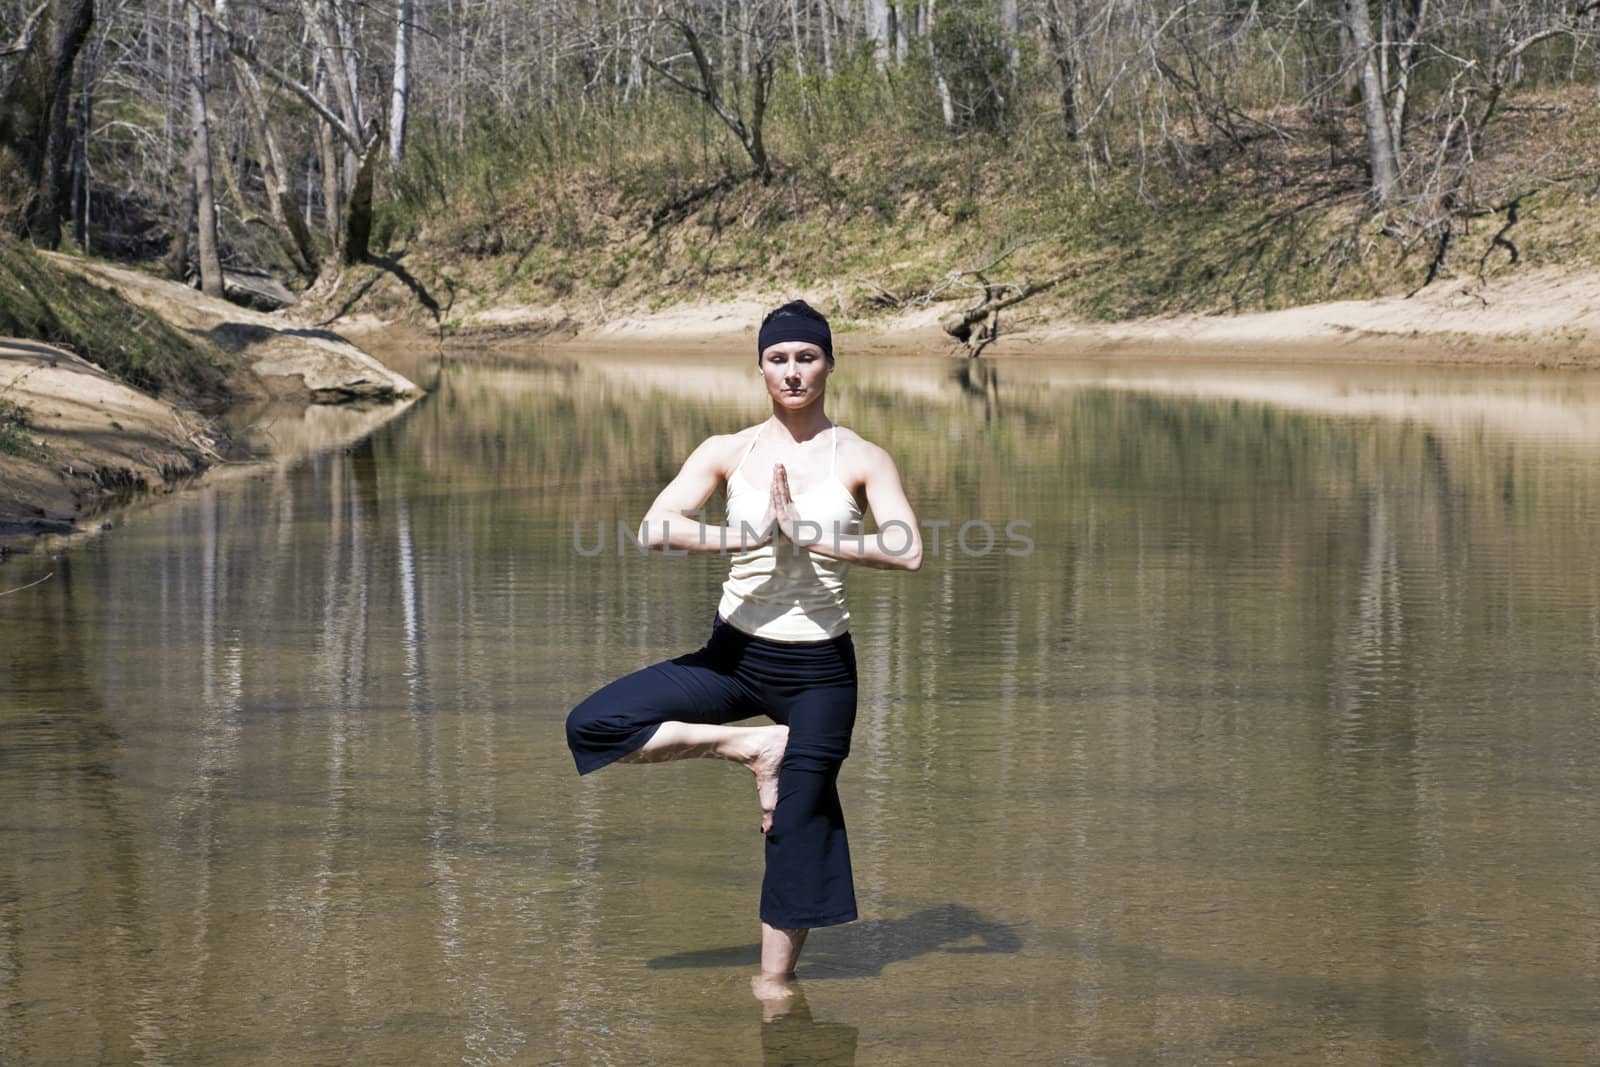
x=41 y=302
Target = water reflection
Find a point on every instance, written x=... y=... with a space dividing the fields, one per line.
x=1279 y=745
x=790 y=1037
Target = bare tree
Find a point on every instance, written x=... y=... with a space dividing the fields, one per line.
x=1404 y=21
x=749 y=127
x=293 y=233
x=1385 y=167
x=346 y=180
x=206 y=245
x=1058 y=19
x=947 y=107
x=401 y=93
x=880 y=30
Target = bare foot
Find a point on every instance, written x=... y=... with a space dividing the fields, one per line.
x=775 y=992
x=765 y=762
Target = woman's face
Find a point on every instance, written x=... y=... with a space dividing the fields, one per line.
x=796 y=373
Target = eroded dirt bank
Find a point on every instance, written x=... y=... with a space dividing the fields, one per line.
x=88 y=439
x=76 y=439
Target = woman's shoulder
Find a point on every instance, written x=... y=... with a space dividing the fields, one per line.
x=851 y=441
x=859 y=459
x=724 y=450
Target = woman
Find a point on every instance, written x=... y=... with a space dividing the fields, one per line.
x=781 y=642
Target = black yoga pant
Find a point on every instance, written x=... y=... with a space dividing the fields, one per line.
x=808 y=686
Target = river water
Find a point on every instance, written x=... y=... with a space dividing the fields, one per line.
x=1273 y=739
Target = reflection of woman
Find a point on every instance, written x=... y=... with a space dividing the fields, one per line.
x=781 y=642
x=789 y=1035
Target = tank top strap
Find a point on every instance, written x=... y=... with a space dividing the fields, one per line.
x=833 y=459
x=751 y=447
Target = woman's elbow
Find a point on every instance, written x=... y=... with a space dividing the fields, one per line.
x=652 y=531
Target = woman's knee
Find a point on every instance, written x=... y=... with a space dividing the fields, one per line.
x=808 y=804
x=601 y=718
x=577 y=720
x=580 y=721
x=815 y=753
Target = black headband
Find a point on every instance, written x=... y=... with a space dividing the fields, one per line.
x=795 y=328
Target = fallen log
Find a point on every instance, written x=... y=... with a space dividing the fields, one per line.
x=252 y=289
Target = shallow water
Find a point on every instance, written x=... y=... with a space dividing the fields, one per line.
x=1280 y=745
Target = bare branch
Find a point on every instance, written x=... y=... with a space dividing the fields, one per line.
x=244 y=49
x=25 y=38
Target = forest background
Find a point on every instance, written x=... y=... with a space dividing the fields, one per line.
x=1105 y=158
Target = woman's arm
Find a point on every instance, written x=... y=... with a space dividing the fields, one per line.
x=667 y=525
x=896 y=546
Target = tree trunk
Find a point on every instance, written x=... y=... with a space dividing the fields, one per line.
x=947 y=108
x=1011 y=22
x=80 y=167
x=35 y=147
x=1357 y=22
x=877 y=15
x=750 y=133
x=726 y=30
x=756 y=144
x=402 y=81
x=73 y=21
x=794 y=29
x=744 y=38
x=176 y=261
x=337 y=53
x=200 y=160
x=332 y=189
x=293 y=231
x=358 y=220
x=825 y=17
x=1411 y=15
x=1060 y=27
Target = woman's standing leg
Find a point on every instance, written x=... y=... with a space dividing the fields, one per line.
x=808 y=881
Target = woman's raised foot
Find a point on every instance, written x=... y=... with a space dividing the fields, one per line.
x=767 y=757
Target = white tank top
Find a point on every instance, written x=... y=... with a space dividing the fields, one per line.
x=778 y=591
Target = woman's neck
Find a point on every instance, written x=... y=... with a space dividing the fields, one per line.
x=801 y=425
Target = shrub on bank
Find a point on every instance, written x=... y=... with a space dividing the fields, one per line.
x=15 y=422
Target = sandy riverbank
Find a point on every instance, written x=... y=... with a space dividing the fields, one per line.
x=1536 y=318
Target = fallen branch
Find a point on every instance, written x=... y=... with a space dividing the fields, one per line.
x=985 y=315
x=30 y=585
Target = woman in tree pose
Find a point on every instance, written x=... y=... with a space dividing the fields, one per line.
x=781 y=642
